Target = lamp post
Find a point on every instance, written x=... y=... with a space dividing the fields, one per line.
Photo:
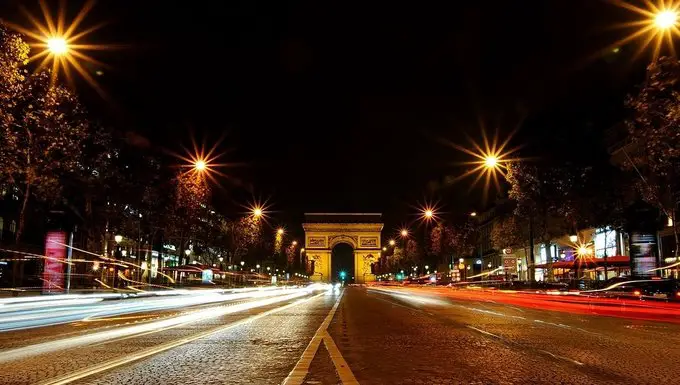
x=117 y=256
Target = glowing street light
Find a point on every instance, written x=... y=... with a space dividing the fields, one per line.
x=665 y=19
x=118 y=238
x=200 y=165
x=62 y=45
x=57 y=46
x=428 y=214
x=279 y=231
x=384 y=249
x=658 y=26
x=302 y=250
x=573 y=238
x=392 y=242
x=473 y=214
x=404 y=233
x=490 y=161
x=294 y=243
x=257 y=212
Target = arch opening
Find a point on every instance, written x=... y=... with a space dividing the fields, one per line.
x=342 y=263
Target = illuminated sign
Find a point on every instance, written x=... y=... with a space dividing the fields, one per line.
x=55 y=252
x=207 y=276
x=642 y=257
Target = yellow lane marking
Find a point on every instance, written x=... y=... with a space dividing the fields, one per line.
x=301 y=369
x=161 y=348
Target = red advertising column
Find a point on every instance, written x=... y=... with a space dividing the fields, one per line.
x=55 y=252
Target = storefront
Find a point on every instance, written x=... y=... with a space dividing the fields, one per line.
x=592 y=268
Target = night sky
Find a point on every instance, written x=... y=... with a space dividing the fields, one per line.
x=345 y=106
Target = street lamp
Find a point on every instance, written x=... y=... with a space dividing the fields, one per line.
x=279 y=231
x=490 y=161
x=243 y=263
x=200 y=165
x=257 y=212
x=573 y=238
x=118 y=238
x=392 y=242
x=294 y=243
x=57 y=46
x=665 y=19
x=384 y=248
x=473 y=214
x=404 y=233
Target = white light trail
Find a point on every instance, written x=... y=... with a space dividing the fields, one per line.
x=109 y=335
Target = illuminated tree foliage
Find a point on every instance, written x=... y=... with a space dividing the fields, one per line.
x=509 y=232
x=654 y=132
x=43 y=128
x=436 y=239
x=460 y=240
x=290 y=255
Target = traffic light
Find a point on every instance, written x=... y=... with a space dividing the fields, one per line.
x=343 y=275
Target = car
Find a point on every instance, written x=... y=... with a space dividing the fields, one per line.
x=654 y=289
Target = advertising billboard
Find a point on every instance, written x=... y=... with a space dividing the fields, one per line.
x=642 y=254
x=55 y=253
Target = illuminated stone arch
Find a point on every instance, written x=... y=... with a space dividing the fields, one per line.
x=361 y=231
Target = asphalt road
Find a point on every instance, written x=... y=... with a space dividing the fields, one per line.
x=357 y=335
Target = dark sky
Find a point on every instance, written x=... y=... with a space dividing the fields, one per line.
x=343 y=106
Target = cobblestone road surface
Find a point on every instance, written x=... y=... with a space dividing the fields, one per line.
x=386 y=336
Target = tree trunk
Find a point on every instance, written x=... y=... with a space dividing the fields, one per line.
x=675 y=233
x=531 y=269
x=22 y=213
x=549 y=259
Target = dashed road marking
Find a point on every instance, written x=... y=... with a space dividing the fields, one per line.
x=301 y=369
x=485 y=332
x=562 y=357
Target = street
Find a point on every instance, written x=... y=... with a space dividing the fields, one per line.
x=369 y=335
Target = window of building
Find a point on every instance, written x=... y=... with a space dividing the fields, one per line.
x=543 y=254
x=605 y=242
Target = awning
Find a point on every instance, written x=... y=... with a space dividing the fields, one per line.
x=617 y=260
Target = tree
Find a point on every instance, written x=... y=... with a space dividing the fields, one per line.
x=654 y=132
x=460 y=240
x=509 y=232
x=541 y=192
x=43 y=128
